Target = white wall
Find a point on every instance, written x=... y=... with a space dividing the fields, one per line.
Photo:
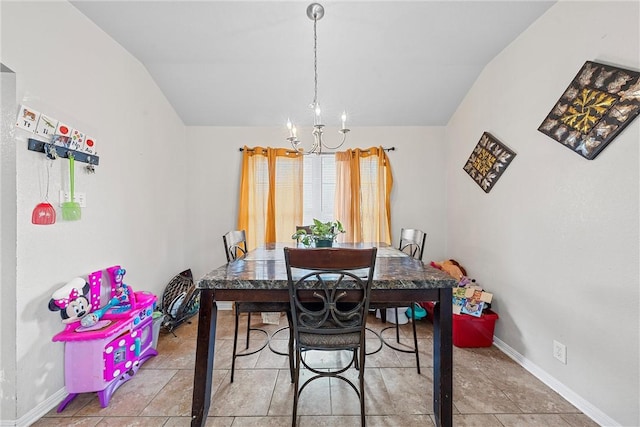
x=70 y=70
x=7 y=244
x=557 y=238
x=417 y=164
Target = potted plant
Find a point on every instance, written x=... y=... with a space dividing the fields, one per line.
x=322 y=233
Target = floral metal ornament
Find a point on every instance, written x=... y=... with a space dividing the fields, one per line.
x=488 y=161
x=598 y=104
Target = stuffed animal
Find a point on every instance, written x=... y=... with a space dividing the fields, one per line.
x=452 y=268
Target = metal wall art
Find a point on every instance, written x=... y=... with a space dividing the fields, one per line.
x=598 y=104
x=488 y=161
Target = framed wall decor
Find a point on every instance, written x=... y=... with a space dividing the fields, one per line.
x=598 y=104
x=488 y=161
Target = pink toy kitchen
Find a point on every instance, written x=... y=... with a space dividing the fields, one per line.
x=104 y=343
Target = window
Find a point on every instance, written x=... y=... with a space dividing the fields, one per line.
x=319 y=187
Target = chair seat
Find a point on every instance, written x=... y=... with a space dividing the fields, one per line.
x=330 y=342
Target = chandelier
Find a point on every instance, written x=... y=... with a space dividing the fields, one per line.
x=315 y=12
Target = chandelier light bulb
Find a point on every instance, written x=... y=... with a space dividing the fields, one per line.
x=290 y=127
x=344 y=119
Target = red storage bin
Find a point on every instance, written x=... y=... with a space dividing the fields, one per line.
x=470 y=331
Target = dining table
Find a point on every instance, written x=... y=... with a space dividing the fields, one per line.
x=261 y=275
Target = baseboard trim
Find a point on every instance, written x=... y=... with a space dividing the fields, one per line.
x=583 y=405
x=39 y=411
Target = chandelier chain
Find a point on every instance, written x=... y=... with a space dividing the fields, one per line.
x=315 y=63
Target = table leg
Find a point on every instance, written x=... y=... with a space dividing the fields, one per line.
x=443 y=359
x=205 y=349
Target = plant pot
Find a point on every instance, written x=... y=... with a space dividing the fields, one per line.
x=324 y=243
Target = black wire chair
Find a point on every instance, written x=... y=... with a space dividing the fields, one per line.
x=412 y=242
x=329 y=291
x=235 y=245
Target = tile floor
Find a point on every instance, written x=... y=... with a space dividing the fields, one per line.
x=489 y=389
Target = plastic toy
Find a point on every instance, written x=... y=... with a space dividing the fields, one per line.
x=92 y=318
x=120 y=290
x=464 y=281
x=72 y=300
x=104 y=346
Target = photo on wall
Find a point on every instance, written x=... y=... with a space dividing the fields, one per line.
x=598 y=104
x=488 y=161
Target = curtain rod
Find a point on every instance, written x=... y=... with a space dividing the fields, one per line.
x=331 y=152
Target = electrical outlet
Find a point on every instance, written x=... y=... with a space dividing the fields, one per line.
x=80 y=198
x=560 y=351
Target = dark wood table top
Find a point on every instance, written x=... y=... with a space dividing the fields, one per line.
x=264 y=268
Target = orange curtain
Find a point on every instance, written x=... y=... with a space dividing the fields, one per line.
x=270 y=203
x=363 y=195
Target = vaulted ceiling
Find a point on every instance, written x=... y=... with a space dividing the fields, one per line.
x=250 y=63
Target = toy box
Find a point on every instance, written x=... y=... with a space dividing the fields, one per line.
x=470 y=331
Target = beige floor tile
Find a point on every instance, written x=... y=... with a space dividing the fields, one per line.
x=476 y=420
x=132 y=421
x=67 y=422
x=249 y=394
x=169 y=403
x=531 y=420
x=579 y=420
x=490 y=389
x=224 y=355
x=74 y=406
x=377 y=399
x=327 y=421
x=132 y=397
x=384 y=357
x=344 y=400
x=474 y=393
x=530 y=394
x=173 y=353
x=399 y=420
x=275 y=421
x=211 y=422
x=315 y=399
x=410 y=393
x=327 y=359
x=271 y=360
x=282 y=399
x=408 y=360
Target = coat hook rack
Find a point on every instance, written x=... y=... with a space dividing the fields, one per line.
x=79 y=156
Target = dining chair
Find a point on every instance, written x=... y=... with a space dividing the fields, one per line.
x=235 y=245
x=329 y=292
x=412 y=242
